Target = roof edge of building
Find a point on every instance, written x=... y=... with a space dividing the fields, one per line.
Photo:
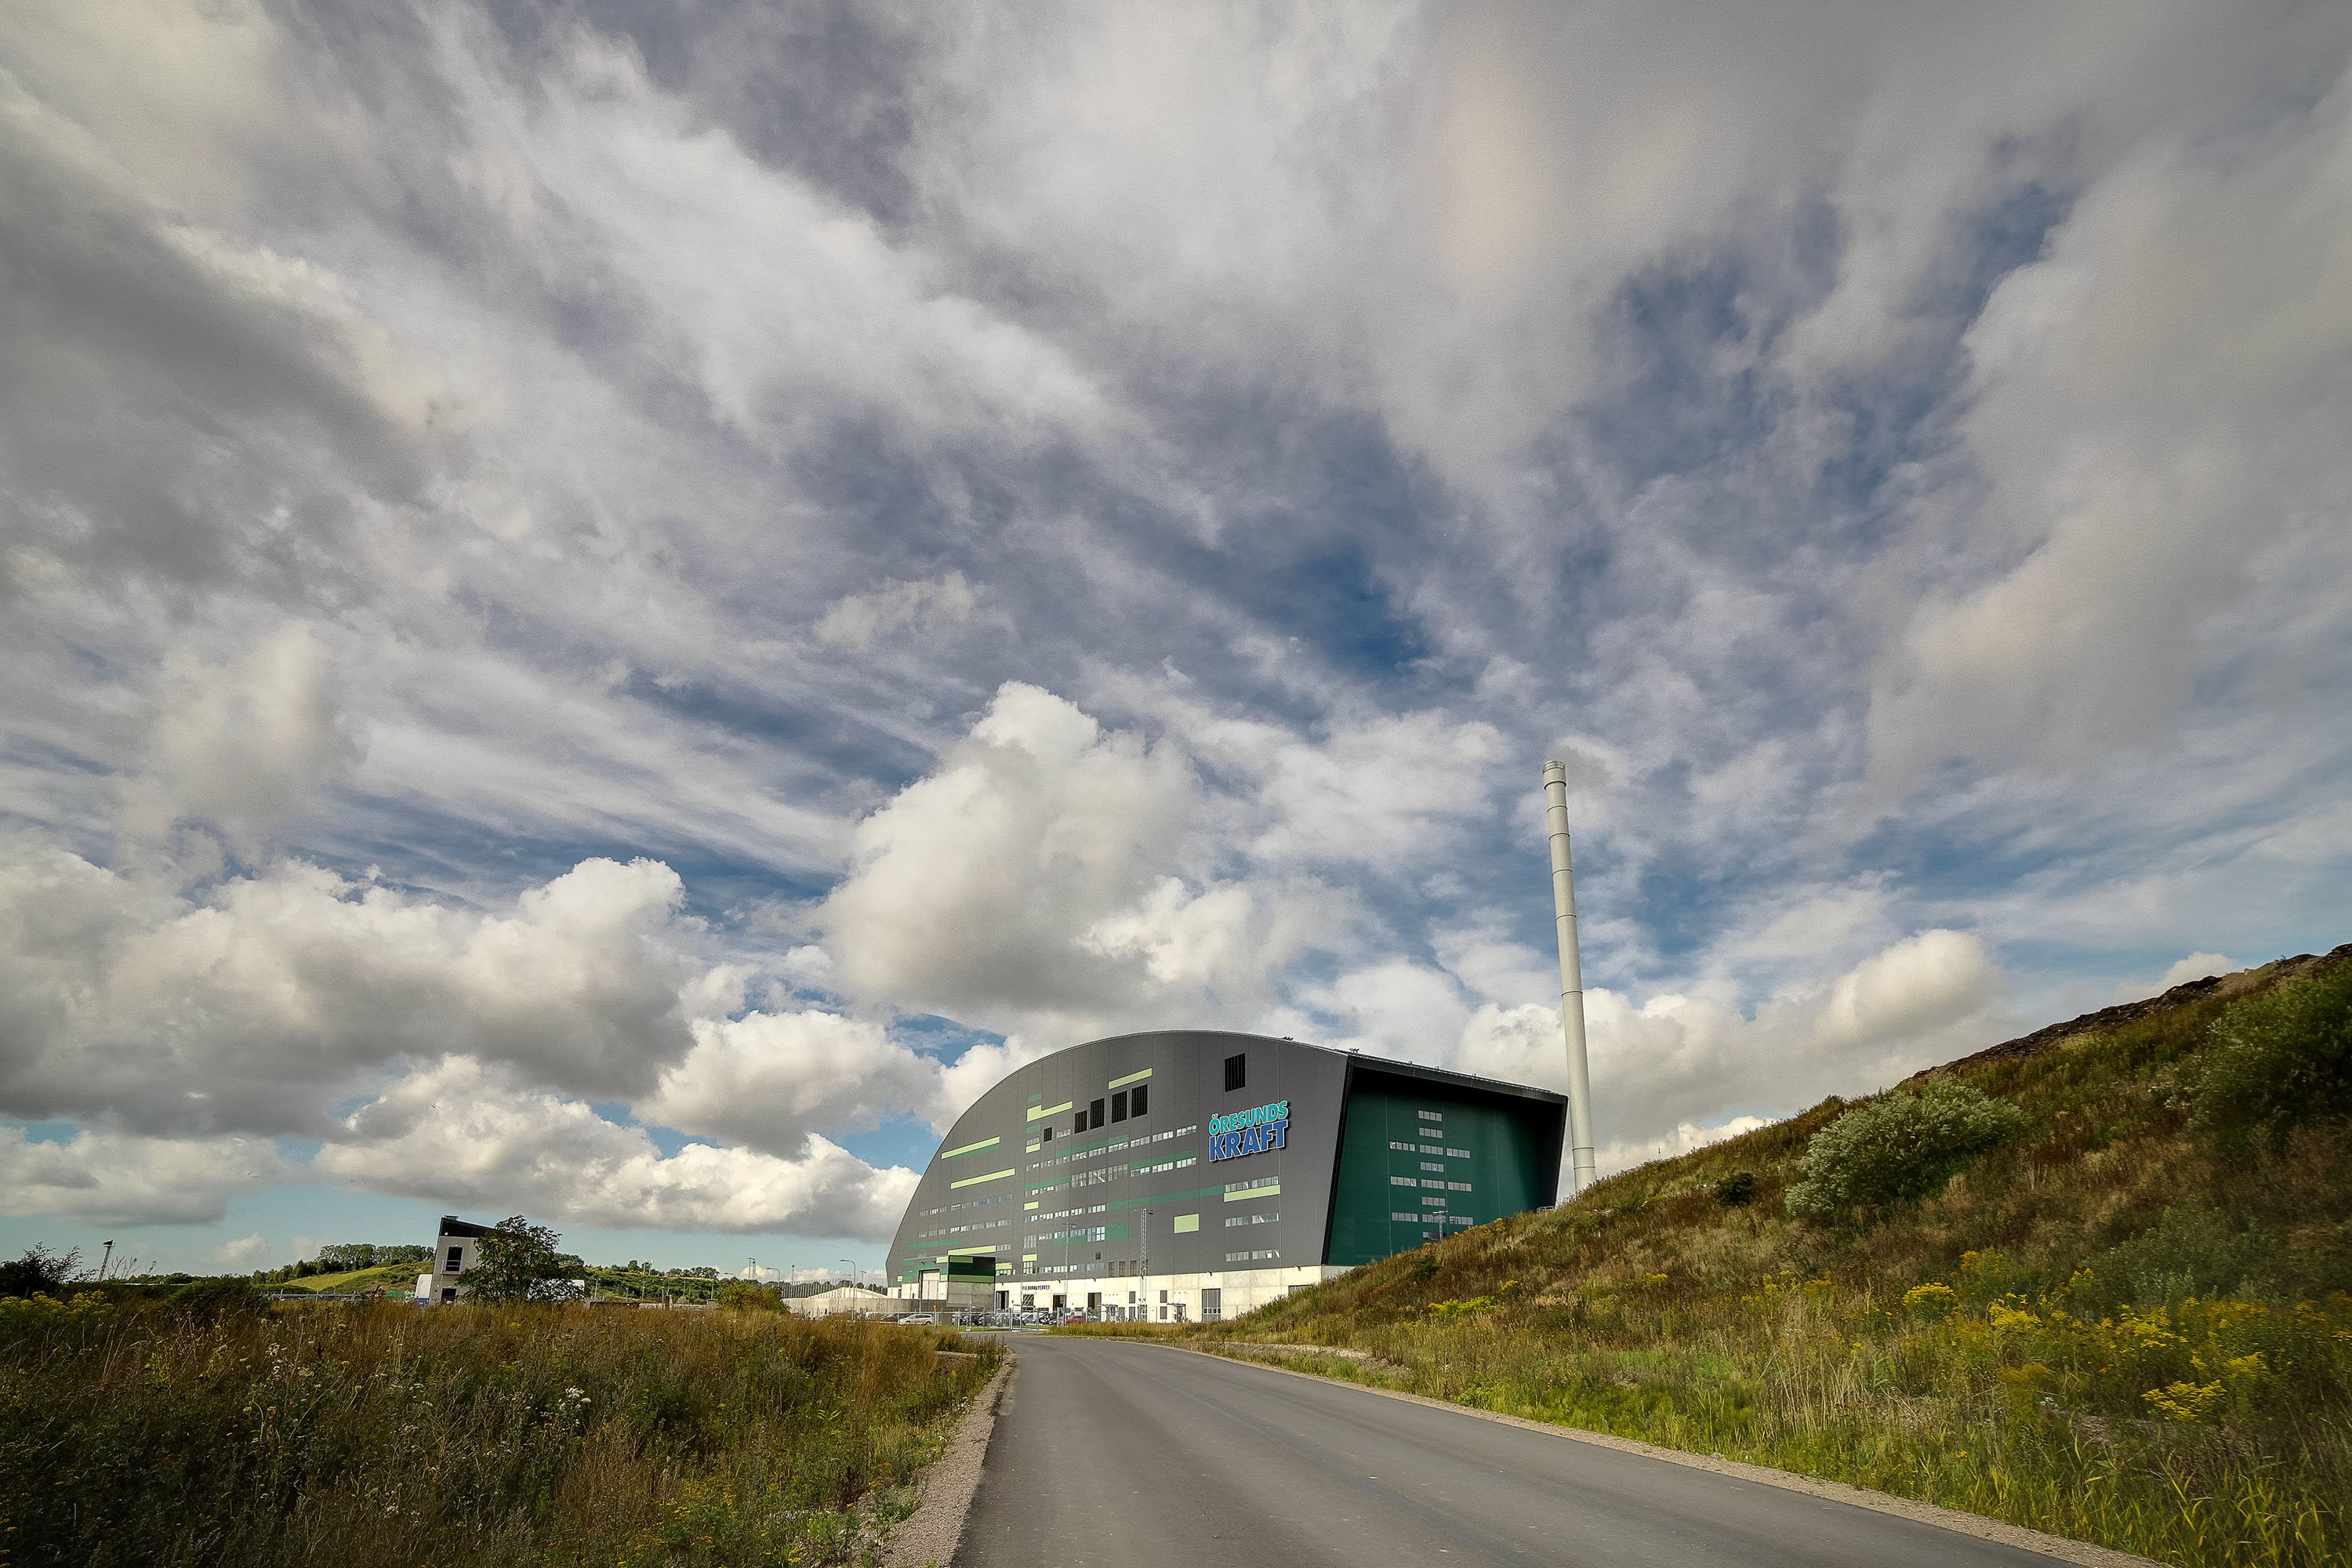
x=1382 y=1064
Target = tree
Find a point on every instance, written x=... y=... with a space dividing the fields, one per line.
x=515 y=1261
x=743 y=1296
x=40 y=1272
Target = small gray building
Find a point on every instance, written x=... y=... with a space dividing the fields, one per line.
x=453 y=1254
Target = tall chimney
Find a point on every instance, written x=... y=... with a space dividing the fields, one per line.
x=1571 y=983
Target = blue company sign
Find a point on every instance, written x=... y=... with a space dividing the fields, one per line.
x=1249 y=1131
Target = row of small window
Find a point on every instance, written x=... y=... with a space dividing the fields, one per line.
x=962 y=1229
x=1258 y=1256
x=1429 y=1148
x=1233 y=1220
x=967 y=1204
x=1064 y=1238
x=1405 y=1216
x=1115 y=1174
x=1065 y=1214
x=1435 y=1186
x=1113 y=1147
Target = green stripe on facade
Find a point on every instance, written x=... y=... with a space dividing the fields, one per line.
x=975 y=1181
x=968 y=1149
x=1132 y=1078
x=1039 y=1112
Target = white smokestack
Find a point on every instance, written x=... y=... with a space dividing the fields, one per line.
x=1571 y=983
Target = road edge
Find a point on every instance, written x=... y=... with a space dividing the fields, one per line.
x=931 y=1536
x=2060 y=1547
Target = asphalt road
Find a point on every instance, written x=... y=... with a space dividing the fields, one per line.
x=1135 y=1455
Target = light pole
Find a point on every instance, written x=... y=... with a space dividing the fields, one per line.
x=1143 y=1268
x=1571 y=983
x=103 y=1261
x=855 y=1272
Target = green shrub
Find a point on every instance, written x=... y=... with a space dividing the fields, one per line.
x=1903 y=1146
x=2279 y=1058
x=1737 y=1190
x=742 y=1296
x=212 y=1301
x=40 y=1272
x=2192 y=1250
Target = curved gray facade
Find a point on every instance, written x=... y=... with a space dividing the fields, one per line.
x=1199 y=1159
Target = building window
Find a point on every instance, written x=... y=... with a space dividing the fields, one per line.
x=1404 y=1181
x=1431 y=1115
x=1139 y=1099
x=1237 y=1072
x=1439 y=1201
x=1439 y=1166
x=456 y=1260
x=1119 y=1105
x=1094 y=1114
x=1458 y=1186
x=1402 y=1148
x=1427 y=1182
x=1457 y=1154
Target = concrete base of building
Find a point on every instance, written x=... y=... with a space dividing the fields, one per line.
x=1163 y=1297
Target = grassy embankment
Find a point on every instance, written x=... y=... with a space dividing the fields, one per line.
x=2125 y=1323
x=137 y=1432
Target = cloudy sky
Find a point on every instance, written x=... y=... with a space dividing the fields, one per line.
x=611 y=608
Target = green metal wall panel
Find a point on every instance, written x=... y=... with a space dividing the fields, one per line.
x=1491 y=1151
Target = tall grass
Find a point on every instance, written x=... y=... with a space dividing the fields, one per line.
x=2111 y=1327
x=132 y=1432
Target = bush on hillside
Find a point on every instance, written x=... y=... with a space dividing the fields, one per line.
x=2192 y=1250
x=1903 y=1146
x=2279 y=1058
x=1736 y=1190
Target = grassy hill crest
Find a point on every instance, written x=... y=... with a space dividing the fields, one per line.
x=2120 y=1319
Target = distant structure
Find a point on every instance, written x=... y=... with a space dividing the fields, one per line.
x=1191 y=1175
x=453 y=1254
x=831 y=1300
x=1572 y=982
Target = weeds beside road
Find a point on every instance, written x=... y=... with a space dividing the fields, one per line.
x=140 y=1432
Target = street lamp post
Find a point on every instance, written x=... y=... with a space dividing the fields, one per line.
x=1143 y=1268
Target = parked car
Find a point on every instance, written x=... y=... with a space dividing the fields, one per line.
x=914 y=1319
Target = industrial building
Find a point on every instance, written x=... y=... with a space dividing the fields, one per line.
x=1189 y=1175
